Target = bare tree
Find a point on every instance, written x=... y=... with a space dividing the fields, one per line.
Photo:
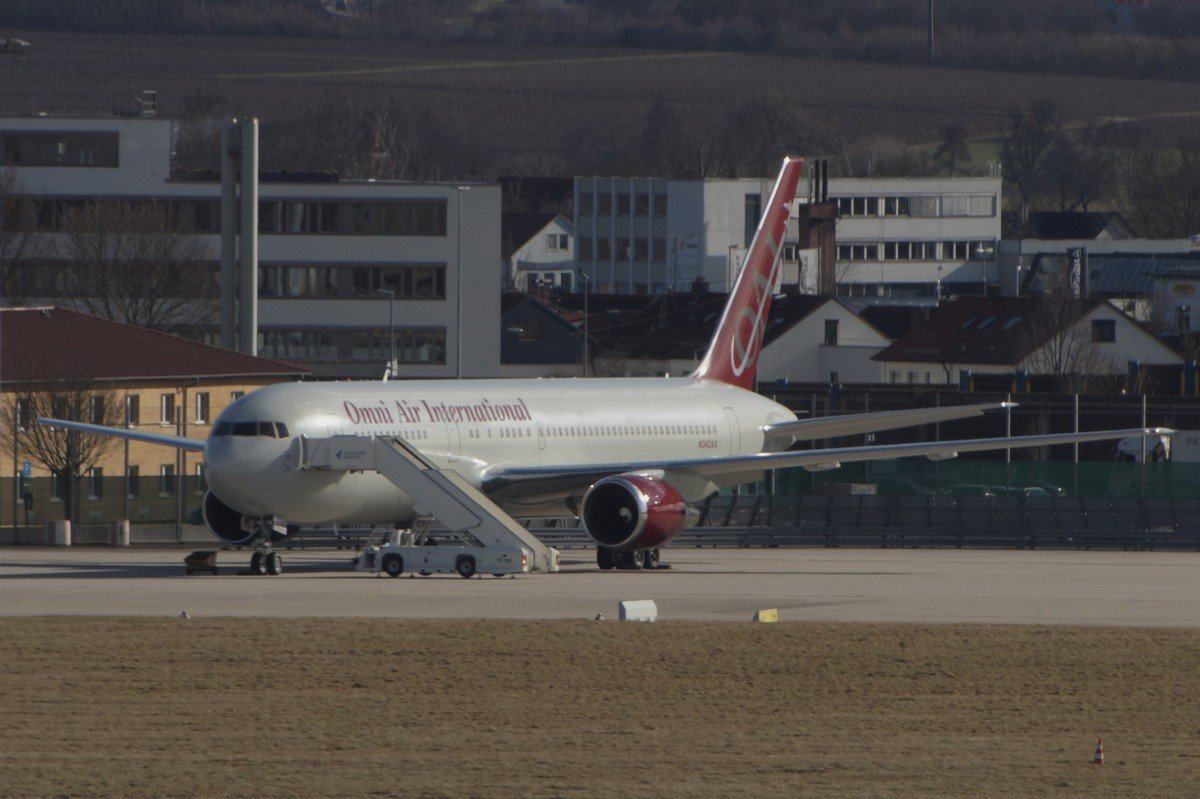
x=1081 y=171
x=1032 y=140
x=1057 y=342
x=1165 y=195
x=66 y=453
x=19 y=244
x=131 y=262
x=953 y=148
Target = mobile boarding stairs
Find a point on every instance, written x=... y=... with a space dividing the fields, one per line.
x=442 y=493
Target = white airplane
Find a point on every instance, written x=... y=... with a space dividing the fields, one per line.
x=631 y=457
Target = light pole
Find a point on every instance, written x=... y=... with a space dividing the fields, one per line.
x=391 y=370
x=587 y=285
x=458 y=283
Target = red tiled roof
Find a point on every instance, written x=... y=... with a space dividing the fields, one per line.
x=55 y=343
x=978 y=329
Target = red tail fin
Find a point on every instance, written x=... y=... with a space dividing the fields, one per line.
x=733 y=353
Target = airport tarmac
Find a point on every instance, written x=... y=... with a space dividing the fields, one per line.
x=868 y=585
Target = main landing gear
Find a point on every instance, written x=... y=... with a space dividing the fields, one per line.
x=266 y=561
x=629 y=559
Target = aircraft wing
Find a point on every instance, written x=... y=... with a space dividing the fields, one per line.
x=190 y=444
x=870 y=422
x=523 y=484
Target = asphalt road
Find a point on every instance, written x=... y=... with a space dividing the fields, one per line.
x=869 y=585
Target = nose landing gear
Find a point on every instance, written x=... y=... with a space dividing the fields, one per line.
x=265 y=560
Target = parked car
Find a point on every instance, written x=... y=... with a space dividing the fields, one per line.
x=891 y=485
x=968 y=490
x=1020 y=491
x=1050 y=489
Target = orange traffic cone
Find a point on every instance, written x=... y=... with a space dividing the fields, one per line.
x=1099 y=758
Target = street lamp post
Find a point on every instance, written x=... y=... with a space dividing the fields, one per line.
x=458 y=283
x=391 y=370
x=587 y=285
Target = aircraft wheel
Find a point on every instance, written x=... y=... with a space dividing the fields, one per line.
x=393 y=565
x=650 y=558
x=604 y=557
x=629 y=559
x=274 y=563
x=257 y=563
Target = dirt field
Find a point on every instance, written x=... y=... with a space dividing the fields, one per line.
x=324 y=708
x=529 y=99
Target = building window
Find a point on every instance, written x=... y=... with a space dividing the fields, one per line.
x=894 y=376
x=202 y=407
x=968 y=205
x=604 y=204
x=983 y=250
x=556 y=242
x=584 y=248
x=753 y=209
x=133 y=410
x=641 y=204
x=97 y=410
x=201 y=484
x=234 y=396
x=895 y=206
x=59 y=149
x=95 y=476
x=58 y=484
x=660 y=205
x=166 y=409
x=529 y=330
x=858 y=252
x=1104 y=331
x=831 y=331
x=166 y=480
x=622 y=204
x=132 y=482
x=586 y=203
x=20 y=409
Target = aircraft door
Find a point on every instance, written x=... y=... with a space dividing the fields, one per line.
x=453 y=441
x=735 y=432
x=541 y=434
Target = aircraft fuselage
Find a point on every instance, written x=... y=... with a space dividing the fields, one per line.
x=472 y=427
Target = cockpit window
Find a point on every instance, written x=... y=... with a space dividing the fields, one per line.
x=266 y=429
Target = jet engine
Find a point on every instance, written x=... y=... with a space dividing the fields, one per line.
x=230 y=525
x=628 y=511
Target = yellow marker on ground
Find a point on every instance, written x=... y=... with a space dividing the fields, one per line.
x=771 y=614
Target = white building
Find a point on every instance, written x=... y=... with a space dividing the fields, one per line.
x=326 y=248
x=896 y=236
x=539 y=249
x=902 y=237
x=1032 y=334
x=822 y=342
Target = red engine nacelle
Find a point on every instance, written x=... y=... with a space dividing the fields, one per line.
x=628 y=511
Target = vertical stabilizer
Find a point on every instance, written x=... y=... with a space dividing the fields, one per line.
x=733 y=353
